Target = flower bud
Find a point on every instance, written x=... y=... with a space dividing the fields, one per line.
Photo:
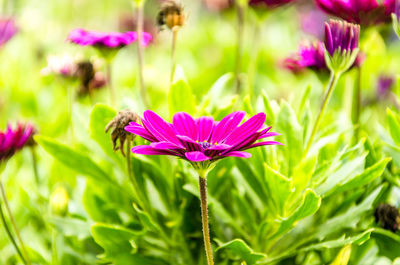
x=59 y=201
x=341 y=45
x=118 y=125
x=171 y=15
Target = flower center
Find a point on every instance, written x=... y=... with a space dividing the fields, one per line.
x=205 y=145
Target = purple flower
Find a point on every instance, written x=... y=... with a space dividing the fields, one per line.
x=106 y=40
x=202 y=139
x=364 y=12
x=7 y=30
x=384 y=86
x=341 y=40
x=14 y=139
x=269 y=3
x=341 y=37
x=64 y=65
x=311 y=21
x=308 y=56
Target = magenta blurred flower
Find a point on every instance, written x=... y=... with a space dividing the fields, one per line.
x=364 y=12
x=308 y=56
x=203 y=139
x=14 y=139
x=269 y=3
x=7 y=30
x=311 y=21
x=385 y=85
x=218 y=5
x=106 y=40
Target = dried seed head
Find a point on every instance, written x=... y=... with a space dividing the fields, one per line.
x=388 y=216
x=171 y=15
x=118 y=125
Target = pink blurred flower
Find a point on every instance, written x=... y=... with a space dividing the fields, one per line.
x=7 y=30
x=363 y=12
x=106 y=40
x=13 y=140
x=269 y=3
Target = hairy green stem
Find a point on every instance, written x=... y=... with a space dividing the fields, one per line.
x=14 y=224
x=9 y=234
x=239 y=46
x=331 y=85
x=139 y=30
x=204 y=218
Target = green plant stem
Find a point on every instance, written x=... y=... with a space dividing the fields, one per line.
x=70 y=95
x=110 y=83
x=357 y=104
x=55 y=260
x=14 y=224
x=331 y=85
x=254 y=58
x=204 y=218
x=239 y=46
x=34 y=164
x=10 y=236
x=139 y=30
x=173 y=51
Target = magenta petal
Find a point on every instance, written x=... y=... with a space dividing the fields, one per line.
x=268 y=134
x=205 y=126
x=217 y=149
x=263 y=143
x=165 y=145
x=196 y=156
x=238 y=154
x=184 y=124
x=148 y=150
x=138 y=129
x=249 y=127
x=156 y=125
x=189 y=143
x=226 y=126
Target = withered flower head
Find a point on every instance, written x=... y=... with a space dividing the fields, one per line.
x=89 y=78
x=118 y=125
x=388 y=216
x=171 y=15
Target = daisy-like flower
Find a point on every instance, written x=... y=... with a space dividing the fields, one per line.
x=7 y=30
x=108 y=40
x=201 y=141
x=269 y=3
x=366 y=12
x=13 y=140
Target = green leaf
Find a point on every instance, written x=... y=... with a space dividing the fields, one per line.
x=180 y=97
x=242 y=250
x=309 y=205
x=70 y=226
x=343 y=256
x=100 y=116
x=369 y=175
x=388 y=242
x=350 y=218
x=289 y=126
x=394 y=126
x=146 y=220
x=119 y=245
x=268 y=109
x=75 y=160
x=279 y=186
